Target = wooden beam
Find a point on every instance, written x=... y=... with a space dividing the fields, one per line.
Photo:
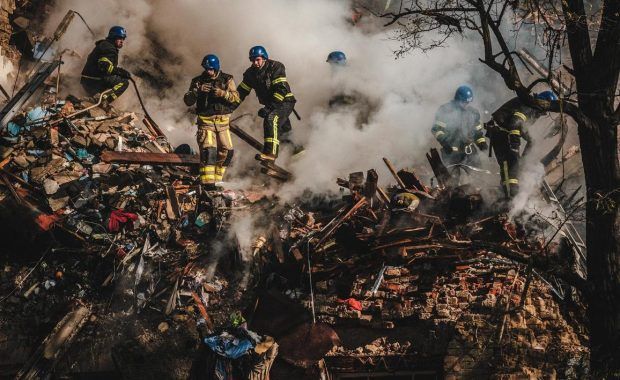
x=276 y=171
x=147 y=158
x=243 y=135
x=42 y=363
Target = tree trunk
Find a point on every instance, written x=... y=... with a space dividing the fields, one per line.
x=599 y=151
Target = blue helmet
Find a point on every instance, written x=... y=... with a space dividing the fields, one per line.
x=117 y=32
x=337 y=57
x=258 y=51
x=211 y=61
x=464 y=94
x=549 y=96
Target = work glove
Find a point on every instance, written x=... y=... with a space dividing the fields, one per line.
x=206 y=87
x=263 y=112
x=219 y=92
x=123 y=73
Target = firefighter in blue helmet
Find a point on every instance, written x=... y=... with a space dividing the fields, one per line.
x=216 y=97
x=505 y=130
x=268 y=78
x=344 y=99
x=101 y=71
x=337 y=58
x=458 y=130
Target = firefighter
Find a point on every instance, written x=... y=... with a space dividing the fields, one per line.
x=216 y=97
x=346 y=100
x=337 y=58
x=268 y=78
x=458 y=129
x=101 y=71
x=505 y=130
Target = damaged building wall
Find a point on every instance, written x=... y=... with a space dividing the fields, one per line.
x=7 y=7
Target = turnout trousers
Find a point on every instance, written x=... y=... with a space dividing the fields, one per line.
x=276 y=127
x=507 y=159
x=216 y=149
x=93 y=85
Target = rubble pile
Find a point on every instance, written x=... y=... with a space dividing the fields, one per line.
x=395 y=266
x=118 y=239
x=132 y=255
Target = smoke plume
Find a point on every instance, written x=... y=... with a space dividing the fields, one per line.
x=170 y=38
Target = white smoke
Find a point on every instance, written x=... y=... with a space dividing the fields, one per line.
x=406 y=91
x=300 y=34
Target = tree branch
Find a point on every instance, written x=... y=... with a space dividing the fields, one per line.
x=424 y=12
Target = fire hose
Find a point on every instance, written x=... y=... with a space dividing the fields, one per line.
x=146 y=113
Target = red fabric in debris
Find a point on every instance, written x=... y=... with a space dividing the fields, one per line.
x=119 y=218
x=45 y=221
x=352 y=304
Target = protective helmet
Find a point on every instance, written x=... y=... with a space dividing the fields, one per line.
x=258 y=51
x=211 y=61
x=549 y=96
x=337 y=57
x=117 y=32
x=464 y=94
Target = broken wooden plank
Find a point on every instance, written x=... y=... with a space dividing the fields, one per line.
x=402 y=185
x=370 y=187
x=146 y=158
x=150 y=127
x=42 y=363
x=243 y=135
x=338 y=221
x=9 y=185
x=444 y=178
x=399 y=181
x=274 y=174
x=544 y=73
x=411 y=180
x=172 y=204
x=384 y=197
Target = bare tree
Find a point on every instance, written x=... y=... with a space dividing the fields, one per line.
x=590 y=32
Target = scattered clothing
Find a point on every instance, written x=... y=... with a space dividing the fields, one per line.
x=120 y=219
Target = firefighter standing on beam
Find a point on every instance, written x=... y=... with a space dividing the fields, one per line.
x=268 y=78
x=216 y=97
x=505 y=131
